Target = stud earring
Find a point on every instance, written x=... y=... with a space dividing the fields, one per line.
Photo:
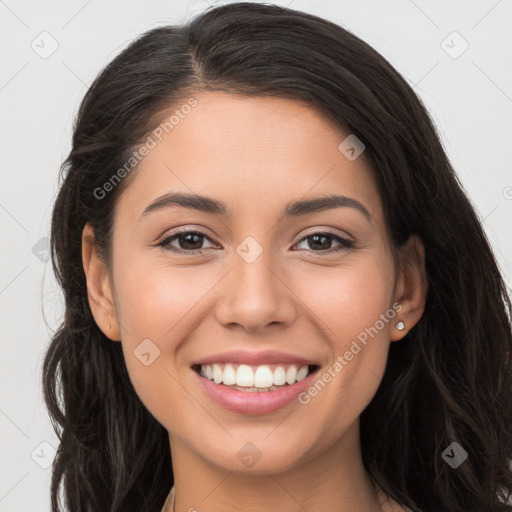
x=400 y=325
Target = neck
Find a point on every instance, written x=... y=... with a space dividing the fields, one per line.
x=330 y=479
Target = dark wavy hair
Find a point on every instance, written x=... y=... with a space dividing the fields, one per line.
x=449 y=379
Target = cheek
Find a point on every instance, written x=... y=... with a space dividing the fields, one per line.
x=152 y=323
x=158 y=307
x=155 y=299
x=347 y=299
x=351 y=306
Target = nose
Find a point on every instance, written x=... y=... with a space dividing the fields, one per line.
x=255 y=295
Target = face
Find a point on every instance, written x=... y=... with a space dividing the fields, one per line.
x=275 y=288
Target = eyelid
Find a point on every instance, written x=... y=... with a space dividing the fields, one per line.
x=201 y=230
x=183 y=230
x=345 y=242
x=327 y=231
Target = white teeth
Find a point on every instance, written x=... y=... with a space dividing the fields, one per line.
x=217 y=374
x=279 y=376
x=229 y=377
x=256 y=377
x=291 y=374
x=302 y=373
x=263 y=378
x=244 y=376
x=255 y=390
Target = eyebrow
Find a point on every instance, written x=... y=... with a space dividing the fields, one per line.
x=292 y=209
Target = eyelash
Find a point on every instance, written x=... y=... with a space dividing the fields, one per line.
x=165 y=243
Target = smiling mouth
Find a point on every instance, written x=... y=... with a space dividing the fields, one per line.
x=255 y=378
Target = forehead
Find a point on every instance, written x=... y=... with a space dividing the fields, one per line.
x=251 y=153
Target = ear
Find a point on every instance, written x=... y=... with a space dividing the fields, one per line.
x=412 y=286
x=99 y=290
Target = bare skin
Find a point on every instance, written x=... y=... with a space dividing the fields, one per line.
x=256 y=155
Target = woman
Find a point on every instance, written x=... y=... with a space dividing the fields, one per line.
x=272 y=273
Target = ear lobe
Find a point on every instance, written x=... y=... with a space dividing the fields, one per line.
x=412 y=288
x=99 y=290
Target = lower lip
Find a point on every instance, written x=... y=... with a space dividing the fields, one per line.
x=254 y=402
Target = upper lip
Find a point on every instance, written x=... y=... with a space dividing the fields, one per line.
x=255 y=358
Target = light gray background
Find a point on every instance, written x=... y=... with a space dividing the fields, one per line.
x=469 y=97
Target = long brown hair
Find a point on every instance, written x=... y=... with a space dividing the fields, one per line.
x=450 y=379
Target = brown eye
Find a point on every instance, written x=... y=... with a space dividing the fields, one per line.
x=322 y=242
x=187 y=241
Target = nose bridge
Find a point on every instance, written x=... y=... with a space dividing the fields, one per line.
x=255 y=294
